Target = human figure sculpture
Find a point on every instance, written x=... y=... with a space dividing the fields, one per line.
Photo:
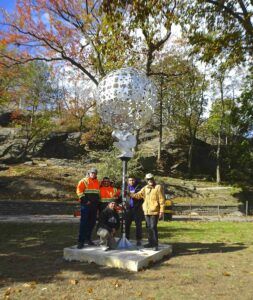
x=126 y=142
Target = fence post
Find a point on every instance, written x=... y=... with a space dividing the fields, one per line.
x=218 y=209
x=246 y=208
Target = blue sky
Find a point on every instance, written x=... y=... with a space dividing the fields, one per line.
x=7 y=4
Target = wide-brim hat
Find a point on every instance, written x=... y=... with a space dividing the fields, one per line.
x=149 y=176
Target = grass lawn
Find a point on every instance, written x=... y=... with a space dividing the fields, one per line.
x=210 y=261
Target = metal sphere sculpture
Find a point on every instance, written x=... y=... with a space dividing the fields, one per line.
x=126 y=99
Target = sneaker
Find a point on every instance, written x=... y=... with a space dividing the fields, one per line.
x=80 y=246
x=148 y=245
x=91 y=243
x=138 y=243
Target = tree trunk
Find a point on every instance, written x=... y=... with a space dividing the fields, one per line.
x=160 y=123
x=137 y=134
x=218 y=175
x=190 y=153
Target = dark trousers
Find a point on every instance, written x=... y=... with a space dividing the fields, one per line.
x=87 y=222
x=152 y=229
x=135 y=215
x=102 y=206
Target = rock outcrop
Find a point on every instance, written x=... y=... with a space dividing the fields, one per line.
x=13 y=147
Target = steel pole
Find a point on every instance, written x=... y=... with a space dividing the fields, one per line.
x=123 y=242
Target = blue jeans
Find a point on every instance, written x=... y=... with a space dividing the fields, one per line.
x=135 y=215
x=87 y=222
x=152 y=229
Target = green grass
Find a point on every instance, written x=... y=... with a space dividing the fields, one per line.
x=205 y=255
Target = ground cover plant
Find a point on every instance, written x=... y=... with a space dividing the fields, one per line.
x=56 y=182
x=211 y=260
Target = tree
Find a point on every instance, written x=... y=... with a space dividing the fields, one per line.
x=78 y=95
x=243 y=114
x=10 y=81
x=96 y=135
x=234 y=159
x=93 y=36
x=183 y=98
x=36 y=104
x=220 y=28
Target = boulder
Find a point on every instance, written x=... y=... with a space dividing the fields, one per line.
x=62 y=145
x=12 y=146
x=58 y=145
x=5 y=118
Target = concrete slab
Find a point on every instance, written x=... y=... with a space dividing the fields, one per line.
x=133 y=260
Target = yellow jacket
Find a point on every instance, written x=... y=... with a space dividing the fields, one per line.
x=153 y=199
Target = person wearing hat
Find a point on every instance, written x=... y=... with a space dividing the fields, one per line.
x=108 y=193
x=109 y=223
x=153 y=207
x=88 y=193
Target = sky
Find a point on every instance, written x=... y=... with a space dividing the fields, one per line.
x=7 y=4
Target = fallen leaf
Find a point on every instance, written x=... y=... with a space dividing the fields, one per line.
x=31 y=284
x=226 y=274
x=90 y=290
x=8 y=291
x=117 y=284
x=73 y=281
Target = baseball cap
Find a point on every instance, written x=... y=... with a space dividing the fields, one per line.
x=93 y=170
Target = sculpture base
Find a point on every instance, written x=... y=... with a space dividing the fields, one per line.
x=133 y=260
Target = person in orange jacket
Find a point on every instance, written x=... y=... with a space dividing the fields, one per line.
x=108 y=193
x=89 y=194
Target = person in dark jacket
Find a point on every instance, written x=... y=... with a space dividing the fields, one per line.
x=134 y=211
x=109 y=223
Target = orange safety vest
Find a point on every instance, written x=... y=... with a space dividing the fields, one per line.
x=87 y=186
x=109 y=194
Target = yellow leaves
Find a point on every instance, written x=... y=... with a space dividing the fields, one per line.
x=73 y=281
x=8 y=292
x=117 y=284
x=31 y=284
x=89 y=290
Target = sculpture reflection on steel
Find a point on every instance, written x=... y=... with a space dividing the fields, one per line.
x=126 y=99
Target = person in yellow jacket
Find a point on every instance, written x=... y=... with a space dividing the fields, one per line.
x=108 y=193
x=89 y=194
x=153 y=208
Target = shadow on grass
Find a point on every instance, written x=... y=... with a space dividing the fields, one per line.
x=193 y=248
x=204 y=248
x=33 y=252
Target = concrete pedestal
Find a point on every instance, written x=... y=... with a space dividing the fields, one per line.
x=133 y=260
